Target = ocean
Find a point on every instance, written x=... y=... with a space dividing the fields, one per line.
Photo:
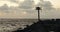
x=8 y=25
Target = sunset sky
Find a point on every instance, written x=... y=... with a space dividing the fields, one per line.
x=26 y=9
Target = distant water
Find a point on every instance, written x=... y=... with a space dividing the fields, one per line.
x=8 y=25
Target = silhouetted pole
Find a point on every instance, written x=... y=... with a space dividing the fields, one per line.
x=38 y=8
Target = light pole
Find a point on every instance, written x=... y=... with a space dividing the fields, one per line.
x=38 y=8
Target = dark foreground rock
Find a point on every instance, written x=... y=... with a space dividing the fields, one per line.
x=43 y=26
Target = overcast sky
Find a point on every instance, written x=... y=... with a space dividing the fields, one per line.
x=26 y=9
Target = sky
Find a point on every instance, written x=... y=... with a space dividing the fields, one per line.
x=26 y=9
x=55 y=3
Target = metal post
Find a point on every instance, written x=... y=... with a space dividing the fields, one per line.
x=38 y=15
x=38 y=8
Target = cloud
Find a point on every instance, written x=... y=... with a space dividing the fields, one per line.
x=27 y=4
x=27 y=10
x=11 y=11
x=48 y=11
x=47 y=5
x=4 y=8
x=14 y=1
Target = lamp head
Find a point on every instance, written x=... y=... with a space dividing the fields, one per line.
x=38 y=8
